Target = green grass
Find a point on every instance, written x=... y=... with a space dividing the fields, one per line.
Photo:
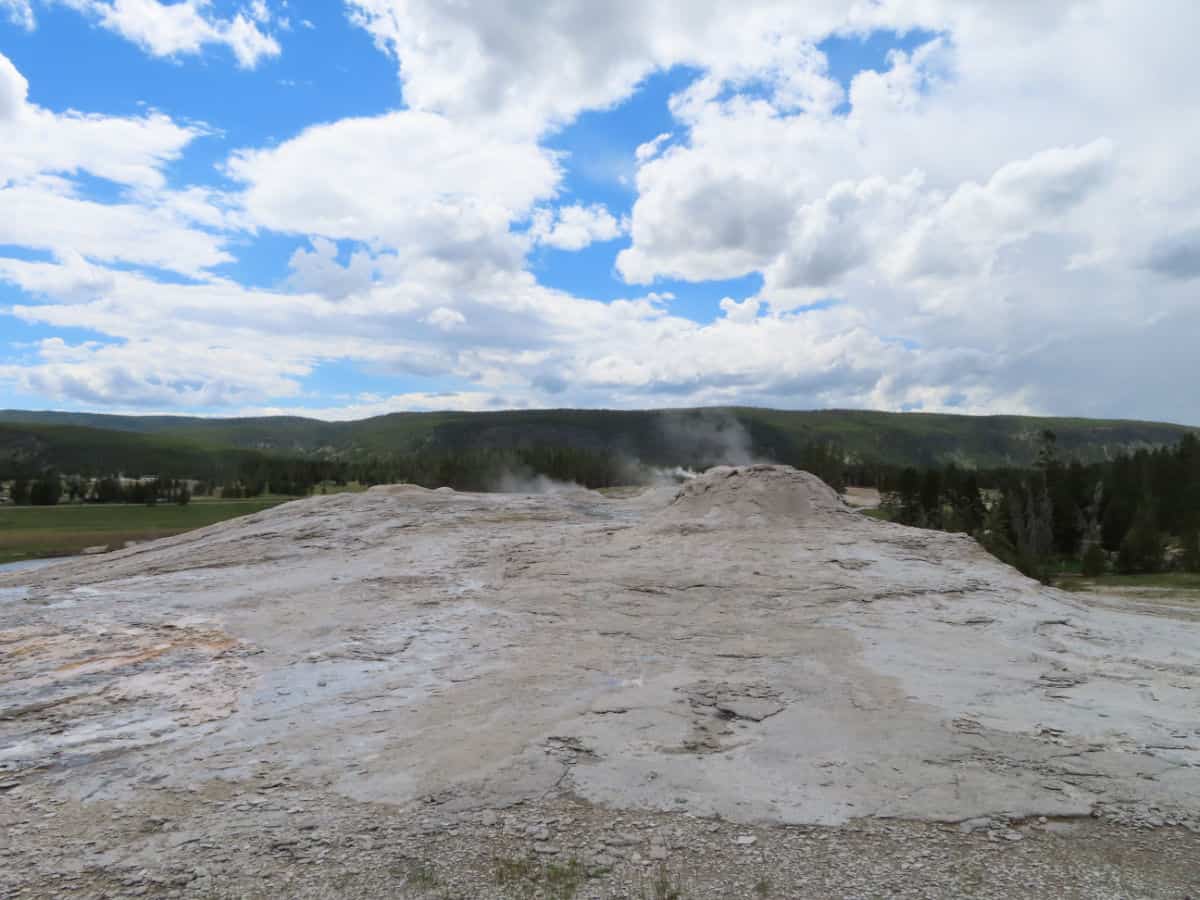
x=1172 y=581
x=35 y=532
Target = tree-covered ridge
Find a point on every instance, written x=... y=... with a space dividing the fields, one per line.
x=27 y=450
x=659 y=437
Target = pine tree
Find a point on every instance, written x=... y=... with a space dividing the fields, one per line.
x=909 y=496
x=969 y=507
x=18 y=492
x=1143 y=547
x=1032 y=528
x=931 y=499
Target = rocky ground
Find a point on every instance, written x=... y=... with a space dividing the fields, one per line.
x=742 y=689
x=258 y=839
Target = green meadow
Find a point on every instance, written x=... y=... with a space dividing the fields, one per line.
x=35 y=532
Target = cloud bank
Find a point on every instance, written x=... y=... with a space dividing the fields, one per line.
x=1002 y=217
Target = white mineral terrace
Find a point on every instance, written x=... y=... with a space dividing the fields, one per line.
x=747 y=646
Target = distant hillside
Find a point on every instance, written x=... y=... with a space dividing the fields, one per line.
x=976 y=441
x=270 y=432
x=170 y=445
x=95 y=451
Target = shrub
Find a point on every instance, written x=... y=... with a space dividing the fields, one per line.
x=1095 y=561
x=1142 y=549
x=46 y=490
x=1190 y=560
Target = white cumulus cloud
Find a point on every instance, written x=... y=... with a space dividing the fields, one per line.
x=527 y=70
x=42 y=206
x=415 y=181
x=129 y=150
x=184 y=27
x=575 y=227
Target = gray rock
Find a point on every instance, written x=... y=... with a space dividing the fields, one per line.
x=622 y=839
x=754 y=710
x=970 y=826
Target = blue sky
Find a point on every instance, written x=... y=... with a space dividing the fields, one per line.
x=243 y=207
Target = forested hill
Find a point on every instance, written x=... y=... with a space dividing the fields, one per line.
x=27 y=450
x=169 y=444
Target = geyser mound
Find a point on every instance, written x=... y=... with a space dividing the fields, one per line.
x=745 y=646
x=757 y=495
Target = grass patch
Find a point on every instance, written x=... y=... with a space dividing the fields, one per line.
x=663 y=886
x=515 y=871
x=563 y=880
x=1185 y=582
x=36 y=532
x=526 y=878
x=421 y=877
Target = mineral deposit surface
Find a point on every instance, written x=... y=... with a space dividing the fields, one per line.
x=746 y=653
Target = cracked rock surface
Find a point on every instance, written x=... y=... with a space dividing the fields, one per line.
x=746 y=649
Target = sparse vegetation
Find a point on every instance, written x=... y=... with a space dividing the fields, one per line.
x=563 y=880
x=420 y=876
x=524 y=877
x=662 y=886
x=515 y=870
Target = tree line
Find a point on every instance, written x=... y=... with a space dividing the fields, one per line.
x=467 y=470
x=484 y=469
x=1138 y=513
x=50 y=488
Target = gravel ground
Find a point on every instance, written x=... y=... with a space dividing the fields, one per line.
x=264 y=839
